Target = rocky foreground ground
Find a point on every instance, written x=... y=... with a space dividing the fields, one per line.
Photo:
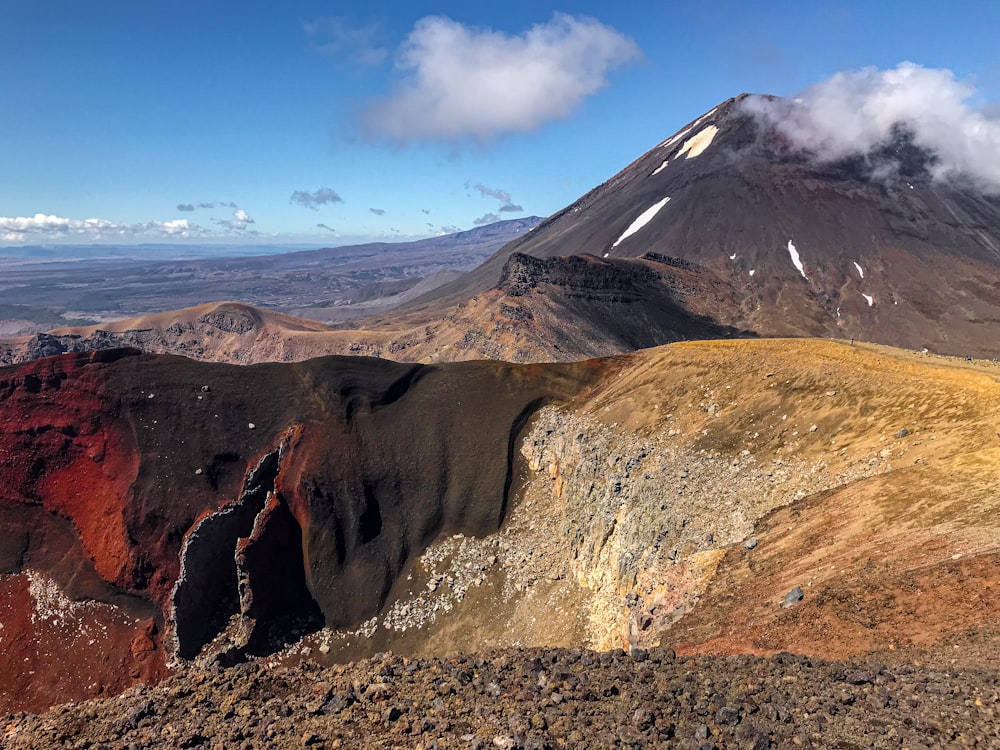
x=542 y=698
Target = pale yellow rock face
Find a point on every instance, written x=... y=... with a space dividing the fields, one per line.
x=696 y=146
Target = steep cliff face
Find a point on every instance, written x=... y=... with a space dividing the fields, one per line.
x=219 y=501
x=647 y=519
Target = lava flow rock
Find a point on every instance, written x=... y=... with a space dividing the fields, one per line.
x=183 y=501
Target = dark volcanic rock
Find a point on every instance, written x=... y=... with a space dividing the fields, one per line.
x=927 y=251
x=308 y=518
x=656 y=703
x=606 y=306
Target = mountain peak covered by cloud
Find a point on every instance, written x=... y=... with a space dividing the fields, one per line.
x=857 y=112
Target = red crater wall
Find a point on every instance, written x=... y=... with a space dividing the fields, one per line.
x=147 y=500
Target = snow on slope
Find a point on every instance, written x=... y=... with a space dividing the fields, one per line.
x=643 y=219
x=796 y=260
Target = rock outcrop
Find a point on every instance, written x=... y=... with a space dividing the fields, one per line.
x=218 y=501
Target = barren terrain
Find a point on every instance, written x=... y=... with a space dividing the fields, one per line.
x=727 y=497
x=64 y=286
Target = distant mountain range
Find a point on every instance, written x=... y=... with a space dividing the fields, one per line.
x=324 y=284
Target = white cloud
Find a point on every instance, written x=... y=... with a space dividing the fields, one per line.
x=855 y=112
x=506 y=204
x=44 y=223
x=175 y=226
x=461 y=81
x=49 y=228
x=239 y=221
x=487 y=192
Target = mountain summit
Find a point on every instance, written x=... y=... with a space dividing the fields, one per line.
x=871 y=245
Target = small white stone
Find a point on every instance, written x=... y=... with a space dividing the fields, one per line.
x=252 y=426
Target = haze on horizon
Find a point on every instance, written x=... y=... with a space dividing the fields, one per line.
x=290 y=124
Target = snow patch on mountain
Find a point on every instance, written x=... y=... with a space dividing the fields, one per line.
x=869 y=299
x=861 y=271
x=642 y=220
x=696 y=145
x=796 y=260
x=674 y=138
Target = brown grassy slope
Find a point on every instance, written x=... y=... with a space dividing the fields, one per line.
x=904 y=557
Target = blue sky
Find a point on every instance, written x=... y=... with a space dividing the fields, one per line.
x=326 y=123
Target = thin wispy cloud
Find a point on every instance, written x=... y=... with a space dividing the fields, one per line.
x=317 y=198
x=377 y=211
x=446 y=229
x=335 y=36
x=209 y=205
x=488 y=218
x=461 y=81
x=856 y=112
x=506 y=204
x=326 y=227
x=487 y=192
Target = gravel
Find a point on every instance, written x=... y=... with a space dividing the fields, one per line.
x=538 y=698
